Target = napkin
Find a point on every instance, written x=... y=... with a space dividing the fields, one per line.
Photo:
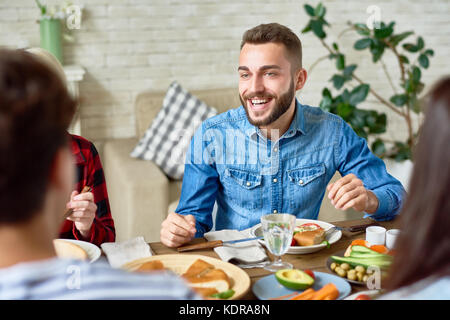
x=249 y=254
x=119 y=253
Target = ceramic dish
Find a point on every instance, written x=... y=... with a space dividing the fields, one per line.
x=269 y=288
x=93 y=252
x=256 y=231
x=179 y=263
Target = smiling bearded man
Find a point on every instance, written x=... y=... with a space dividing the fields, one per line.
x=303 y=147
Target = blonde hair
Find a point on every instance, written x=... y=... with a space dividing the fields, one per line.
x=50 y=61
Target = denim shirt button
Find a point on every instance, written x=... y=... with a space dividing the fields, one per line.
x=275 y=180
x=248 y=184
x=300 y=182
x=275 y=211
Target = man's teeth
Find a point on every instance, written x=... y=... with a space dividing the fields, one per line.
x=259 y=101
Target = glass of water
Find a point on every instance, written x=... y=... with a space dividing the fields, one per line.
x=278 y=230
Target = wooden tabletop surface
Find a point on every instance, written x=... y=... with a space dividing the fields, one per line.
x=314 y=261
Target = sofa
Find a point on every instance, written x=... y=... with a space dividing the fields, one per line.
x=140 y=194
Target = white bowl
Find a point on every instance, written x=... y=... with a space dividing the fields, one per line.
x=256 y=231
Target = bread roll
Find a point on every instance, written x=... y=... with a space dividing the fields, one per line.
x=151 y=266
x=310 y=238
x=66 y=249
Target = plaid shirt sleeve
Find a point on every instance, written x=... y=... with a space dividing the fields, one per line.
x=90 y=173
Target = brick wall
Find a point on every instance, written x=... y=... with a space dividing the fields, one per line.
x=127 y=46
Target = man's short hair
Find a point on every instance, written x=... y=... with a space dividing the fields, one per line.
x=35 y=112
x=276 y=33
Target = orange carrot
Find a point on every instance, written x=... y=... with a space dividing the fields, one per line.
x=379 y=248
x=305 y=295
x=328 y=291
x=285 y=296
x=360 y=242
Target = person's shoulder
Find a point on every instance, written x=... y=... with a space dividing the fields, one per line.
x=316 y=114
x=229 y=118
x=86 y=147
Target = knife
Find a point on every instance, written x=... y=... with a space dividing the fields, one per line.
x=213 y=244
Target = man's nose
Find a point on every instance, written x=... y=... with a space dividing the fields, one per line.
x=257 y=85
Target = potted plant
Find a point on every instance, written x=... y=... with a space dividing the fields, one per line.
x=352 y=90
x=52 y=30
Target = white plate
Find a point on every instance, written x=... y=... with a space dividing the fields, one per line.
x=370 y=293
x=332 y=238
x=93 y=252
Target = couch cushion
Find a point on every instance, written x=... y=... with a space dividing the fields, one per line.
x=166 y=140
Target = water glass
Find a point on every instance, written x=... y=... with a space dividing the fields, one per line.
x=278 y=230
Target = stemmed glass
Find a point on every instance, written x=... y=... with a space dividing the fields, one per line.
x=278 y=230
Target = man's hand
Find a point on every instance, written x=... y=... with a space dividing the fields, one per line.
x=177 y=229
x=84 y=209
x=349 y=192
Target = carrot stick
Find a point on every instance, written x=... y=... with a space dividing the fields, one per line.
x=329 y=290
x=305 y=295
x=285 y=296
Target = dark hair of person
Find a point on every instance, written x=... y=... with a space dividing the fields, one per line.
x=35 y=112
x=276 y=33
x=423 y=247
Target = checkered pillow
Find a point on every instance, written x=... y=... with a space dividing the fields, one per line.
x=166 y=140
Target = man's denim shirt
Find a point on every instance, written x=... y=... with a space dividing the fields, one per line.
x=230 y=162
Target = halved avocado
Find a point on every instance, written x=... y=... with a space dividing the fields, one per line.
x=294 y=279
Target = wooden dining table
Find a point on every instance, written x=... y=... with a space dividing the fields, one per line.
x=314 y=261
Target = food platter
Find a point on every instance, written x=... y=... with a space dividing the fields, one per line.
x=268 y=287
x=179 y=263
x=256 y=231
x=330 y=261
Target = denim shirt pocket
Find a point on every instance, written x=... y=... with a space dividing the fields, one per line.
x=305 y=183
x=243 y=188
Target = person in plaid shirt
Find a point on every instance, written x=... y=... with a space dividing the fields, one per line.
x=91 y=219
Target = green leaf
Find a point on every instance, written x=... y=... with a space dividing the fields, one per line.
x=317 y=28
x=309 y=10
x=414 y=104
x=378 y=147
x=416 y=74
x=420 y=43
x=326 y=93
x=340 y=62
x=348 y=71
x=338 y=81
x=320 y=10
x=344 y=110
x=363 y=43
x=307 y=28
x=359 y=94
x=325 y=103
x=362 y=29
x=404 y=59
x=399 y=99
x=429 y=52
x=377 y=49
x=396 y=39
x=382 y=33
x=335 y=46
x=423 y=61
x=380 y=124
x=410 y=47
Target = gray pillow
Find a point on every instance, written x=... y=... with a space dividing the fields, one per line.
x=166 y=140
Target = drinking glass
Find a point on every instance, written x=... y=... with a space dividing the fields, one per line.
x=278 y=230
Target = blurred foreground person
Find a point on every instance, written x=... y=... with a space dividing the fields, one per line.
x=36 y=179
x=421 y=268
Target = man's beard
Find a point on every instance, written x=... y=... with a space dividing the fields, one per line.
x=282 y=105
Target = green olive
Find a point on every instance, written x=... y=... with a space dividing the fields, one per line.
x=341 y=272
x=351 y=275
x=345 y=266
x=359 y=275
x=360 y=269
x=333 y=266
x=365 y=278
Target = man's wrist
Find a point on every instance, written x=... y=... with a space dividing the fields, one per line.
x=372 y=202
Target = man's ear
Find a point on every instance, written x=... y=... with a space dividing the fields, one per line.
x=300 y=77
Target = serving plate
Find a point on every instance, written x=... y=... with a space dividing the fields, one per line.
x=256 y=231
x=179 y=263
x=93 y=252
x=269 y=288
